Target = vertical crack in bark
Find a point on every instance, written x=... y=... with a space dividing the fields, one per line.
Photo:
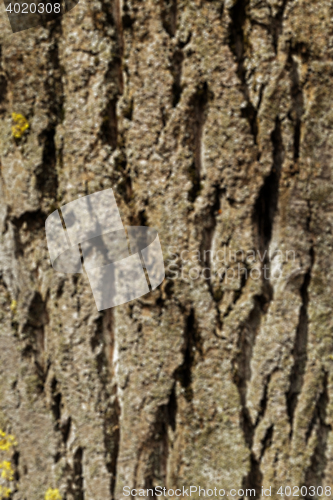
x=192 y=342
x=316 y=472
x=264 y=400
x=199 y=107
x=208 y=235
x=267 y=440
x=3 y=86
x=254 y=478
x=102 y=345
x=160 y=441
x=56 y=403
x=46 y=172
x=242 y=374
x=297 y=104
x=299 y=352
x=75 y=480
x=66 y=429
x=176 y=64
x=265 y=211
x=169 y=16
x=176 y=70
x=32 y=334
x=16 y=462
x=242 y=369
x=109 y=129
x=62 y=426
x=277 y=25
x=111 y=431
x=236 y=44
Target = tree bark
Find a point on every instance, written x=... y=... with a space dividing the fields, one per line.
x=212 y=122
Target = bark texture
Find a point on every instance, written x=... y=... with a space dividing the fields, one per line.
x=212 y=121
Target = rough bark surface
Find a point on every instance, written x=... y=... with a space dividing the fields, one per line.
x=212 y=121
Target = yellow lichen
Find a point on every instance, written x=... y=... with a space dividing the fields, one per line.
x=6 y=469
x=21 y=125
x=53 y=494
x=4 y=492
x=6 y=441
x=13 y=306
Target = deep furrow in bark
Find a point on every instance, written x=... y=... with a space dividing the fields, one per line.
x=315 y=473
x=32 y=337
x=102 y=346
x=297 y=104
x=169 y=16
x=208 y=235
x=176 y=70
x=263 y=219
x=46 y=172
x=299 y=352
x=111 y=431
x=75 y=485
x=236 y=44
x=191 y=339
x=159 y=442
x=265 y=211
x=277 y=25
x=109 y=129
x=199 y=107
x=3 y=86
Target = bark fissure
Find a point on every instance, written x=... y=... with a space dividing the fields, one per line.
x=176 y=71
x=297 y=103
x=114 y=74
x=264 y=213
x=169 y=16
x=277 y=25
x=102 y=345
x=191 y=340
x=111 y=432
x=299 y=351
x=75 y=481
x=208 y=235
x=33 y=336
x=315 y=474
x=46 y=173
x=55 y=402
x=236 y=44
x=199 y=107
x=3 y=86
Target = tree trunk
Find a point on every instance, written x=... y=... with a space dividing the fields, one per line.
x=211 y=121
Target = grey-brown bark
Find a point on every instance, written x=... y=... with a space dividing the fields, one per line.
x=212 y=123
